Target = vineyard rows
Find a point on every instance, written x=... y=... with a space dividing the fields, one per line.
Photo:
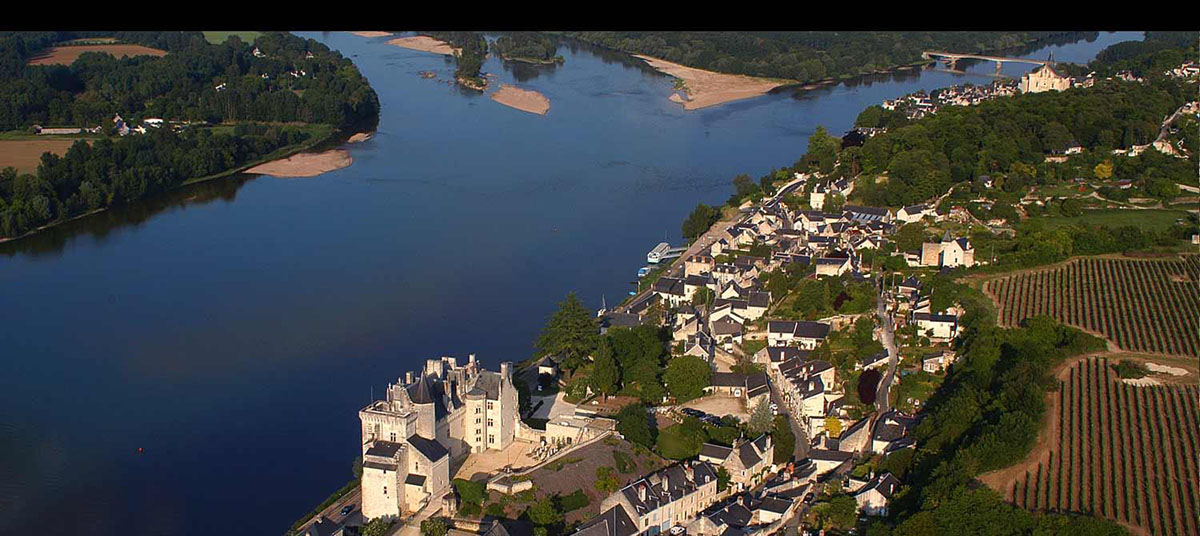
x=1141 y=305
x=1123 y=452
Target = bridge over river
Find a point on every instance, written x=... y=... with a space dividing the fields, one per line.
x=951 y=59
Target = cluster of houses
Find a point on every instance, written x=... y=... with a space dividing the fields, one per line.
x=686 y=496
x=921 y=104
x=1188 y=69
x=733 y=304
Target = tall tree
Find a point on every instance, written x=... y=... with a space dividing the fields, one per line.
x=606 y=373
x=687 y=376
x=571 y=333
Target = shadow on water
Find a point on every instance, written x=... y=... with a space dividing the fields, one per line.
x=52 y=241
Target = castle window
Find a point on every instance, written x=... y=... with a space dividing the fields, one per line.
x=491 y=423
x=491 y=438
x=385 y=490
x=489 y=404
x=393 y=435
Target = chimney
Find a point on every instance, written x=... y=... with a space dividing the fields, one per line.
x=506 y=370
x=471 y=359
x=408 y=378
x=642 y=492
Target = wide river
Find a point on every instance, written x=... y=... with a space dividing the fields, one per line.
x=195 y=365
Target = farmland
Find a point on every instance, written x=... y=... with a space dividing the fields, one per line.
x=66 y=55
x=1114 y=450
x=1150 y=306
x=217 y=38
x=26 y=154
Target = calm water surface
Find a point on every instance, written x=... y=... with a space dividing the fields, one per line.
x=234 y=329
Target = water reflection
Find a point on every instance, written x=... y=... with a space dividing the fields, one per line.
x=52 y=241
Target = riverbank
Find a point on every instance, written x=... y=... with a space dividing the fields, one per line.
x=305 y=164
x=424 y=43
x=325 y=134
x=526 y=100
x=708 y=88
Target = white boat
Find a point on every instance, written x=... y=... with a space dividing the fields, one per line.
x=658 y=252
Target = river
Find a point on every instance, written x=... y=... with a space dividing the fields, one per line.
x=195 y=364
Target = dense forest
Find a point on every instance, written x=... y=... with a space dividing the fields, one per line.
x=804 y=56
x=181 y=86
x=527 y=46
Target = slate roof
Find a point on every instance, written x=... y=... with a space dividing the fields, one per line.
x=829 y=455
x=612 y=522
x=885 y=484
x=716 y=452
x=667 y=485
x=384 y=449
x=809 y=330
x=415 y=479
x=778 y=354
x=430 y=449
x=488 y=385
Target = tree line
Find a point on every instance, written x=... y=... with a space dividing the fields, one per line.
x=183 y=84
x=805 y=56
x=533 y=46
x=117 y=171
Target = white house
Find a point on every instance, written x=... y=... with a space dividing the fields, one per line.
x=873 y=497
x=804 y=334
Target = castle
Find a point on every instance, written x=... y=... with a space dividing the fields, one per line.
x=410 y=438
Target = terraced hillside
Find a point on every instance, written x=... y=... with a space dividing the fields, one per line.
x=1123 y=452
x=1150 y=306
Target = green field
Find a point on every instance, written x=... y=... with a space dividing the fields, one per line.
x=1115 y=217
x=217 y=38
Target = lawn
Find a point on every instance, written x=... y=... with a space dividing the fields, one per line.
x=1115 y=217
x=217 y=38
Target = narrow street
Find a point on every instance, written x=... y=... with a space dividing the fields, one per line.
x=887 y=336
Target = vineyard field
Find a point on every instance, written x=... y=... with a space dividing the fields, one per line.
x=1149 y=306
x=1114 y=450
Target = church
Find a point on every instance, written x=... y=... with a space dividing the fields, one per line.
x=1044 y=78
x=425 y=421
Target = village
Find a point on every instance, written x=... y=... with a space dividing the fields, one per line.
x=804 y=310
x=458 y=421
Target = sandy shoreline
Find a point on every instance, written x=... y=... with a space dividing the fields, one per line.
x=526 y=100
x=424 y=43
x=706 y=88
x=305 y=164
x=372 y=34
x=360 y=137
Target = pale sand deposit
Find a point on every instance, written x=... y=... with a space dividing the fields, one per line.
x=1174 y=371
x=424 y=43
x=372 y=34
x=305 y=164
x=361 y=136
x=706 y=88
x=526 y=100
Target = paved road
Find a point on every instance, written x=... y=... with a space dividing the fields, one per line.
x=798 y=429
x=887 y=336
x=705 y=240
x=333 y=511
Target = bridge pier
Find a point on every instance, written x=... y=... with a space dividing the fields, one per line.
x=999 y=66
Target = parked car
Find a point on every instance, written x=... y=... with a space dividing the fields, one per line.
x=347 y=509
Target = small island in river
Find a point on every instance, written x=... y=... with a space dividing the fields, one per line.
x=707 y=88
x=526 y=100
x=305 y=164
x=372 y=34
